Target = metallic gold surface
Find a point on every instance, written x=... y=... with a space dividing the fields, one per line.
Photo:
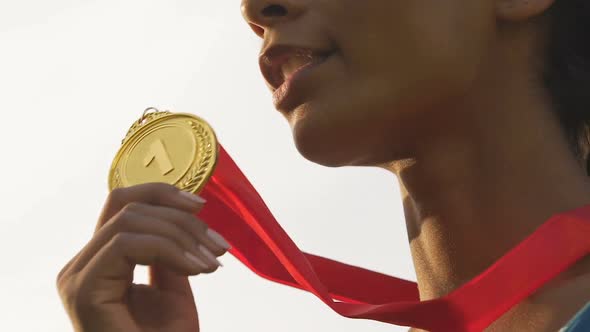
x=176 y=148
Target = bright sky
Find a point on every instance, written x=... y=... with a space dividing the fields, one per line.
x=74 y=74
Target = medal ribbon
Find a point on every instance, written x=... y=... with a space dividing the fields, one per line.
x=237 y=211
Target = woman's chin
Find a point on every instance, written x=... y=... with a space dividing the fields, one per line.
x=320 y=145
x=327 y=131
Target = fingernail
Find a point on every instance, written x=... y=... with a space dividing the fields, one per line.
x=218 y=239
x=209 y=255
x=193 y=197
x=195 y=260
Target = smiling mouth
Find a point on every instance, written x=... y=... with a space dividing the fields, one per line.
x=289 y=94
x=279 y=62
x=297 y=63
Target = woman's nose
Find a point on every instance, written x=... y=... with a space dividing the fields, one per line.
x=263 y=14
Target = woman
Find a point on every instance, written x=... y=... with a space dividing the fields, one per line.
x=480 y=109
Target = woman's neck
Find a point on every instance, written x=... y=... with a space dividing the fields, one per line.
x=484 y=173
x=470 y=198
x=466 y=206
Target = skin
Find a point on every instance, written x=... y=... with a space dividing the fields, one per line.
x=447 y=96
x=444 y=94
x=150 y=224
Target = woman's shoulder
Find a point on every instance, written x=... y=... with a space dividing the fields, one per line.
x=580 y=322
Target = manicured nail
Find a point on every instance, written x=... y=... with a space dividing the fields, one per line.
x=195 y=260
x=193 y=197
x=209 y=255
x=218 y=239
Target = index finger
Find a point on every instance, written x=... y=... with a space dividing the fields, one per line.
x=156 y=193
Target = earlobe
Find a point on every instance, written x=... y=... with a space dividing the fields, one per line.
x=520 y=10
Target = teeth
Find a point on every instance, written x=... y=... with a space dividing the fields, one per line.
x=295 y=62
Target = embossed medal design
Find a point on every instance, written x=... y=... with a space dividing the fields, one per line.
x=176 y=148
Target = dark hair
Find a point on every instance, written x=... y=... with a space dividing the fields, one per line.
x=566 y=73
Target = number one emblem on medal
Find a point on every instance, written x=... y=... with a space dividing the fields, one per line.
x=158 y=152
x=160 y=145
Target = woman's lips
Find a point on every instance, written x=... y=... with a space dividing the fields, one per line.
x=285 y=96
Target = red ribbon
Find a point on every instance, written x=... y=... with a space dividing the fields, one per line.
x=237 y=211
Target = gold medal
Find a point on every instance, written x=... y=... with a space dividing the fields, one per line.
x=176 y=148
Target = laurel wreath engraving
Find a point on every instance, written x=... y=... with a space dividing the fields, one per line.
x=116 y=179
x=205 y=149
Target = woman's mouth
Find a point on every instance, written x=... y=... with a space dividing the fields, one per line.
x=286 y=96
x=285 y=66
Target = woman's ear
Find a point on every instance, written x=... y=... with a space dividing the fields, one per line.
x=520 y=10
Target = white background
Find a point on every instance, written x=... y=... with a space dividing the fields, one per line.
x=74 y=74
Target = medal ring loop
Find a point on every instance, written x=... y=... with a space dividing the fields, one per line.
x=143 y=116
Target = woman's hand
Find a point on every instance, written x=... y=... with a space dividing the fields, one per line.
x=150 y=224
